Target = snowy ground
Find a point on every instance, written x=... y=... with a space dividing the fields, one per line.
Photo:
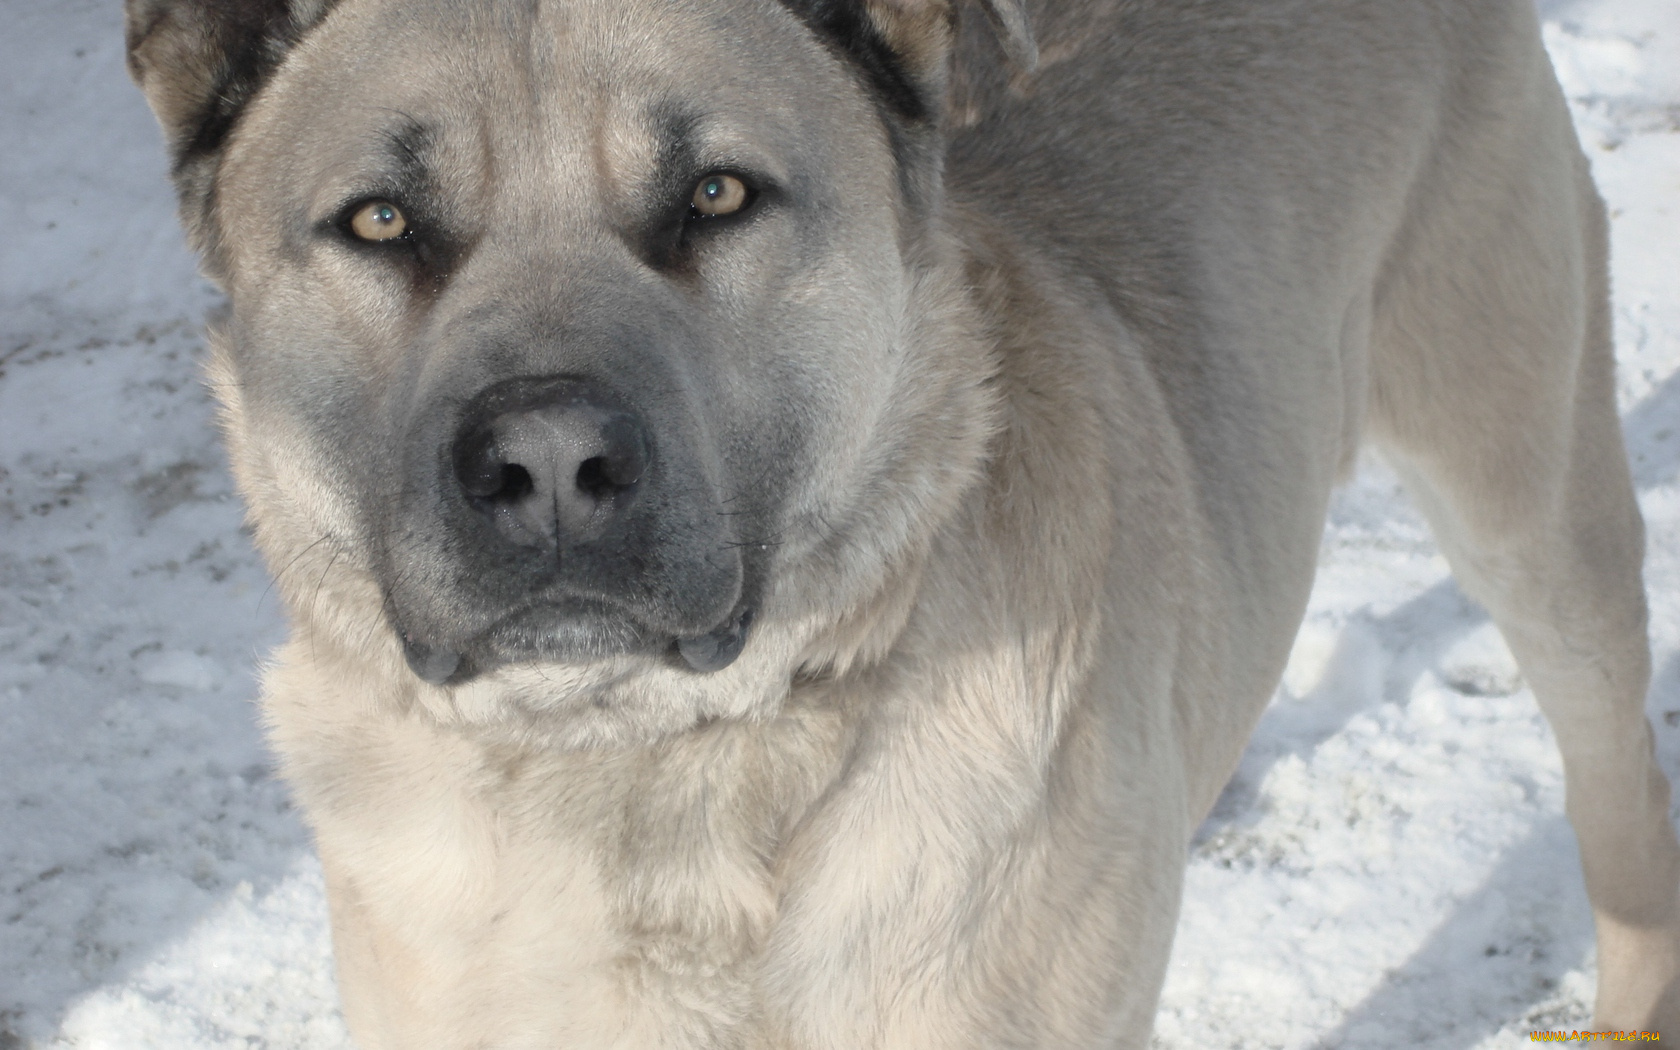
x=1391 y=867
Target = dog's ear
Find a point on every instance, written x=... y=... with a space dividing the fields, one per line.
x=902 y=50
x=920 y=29
x=199 y=62
x=902 y=46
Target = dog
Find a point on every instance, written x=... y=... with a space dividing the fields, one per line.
x=789 y=509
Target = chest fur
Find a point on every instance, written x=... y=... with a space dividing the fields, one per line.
x=496 y=899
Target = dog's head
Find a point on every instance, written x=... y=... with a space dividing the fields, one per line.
x=599 y=359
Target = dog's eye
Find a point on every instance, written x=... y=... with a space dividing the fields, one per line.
x=719 y=195
x=378 y=221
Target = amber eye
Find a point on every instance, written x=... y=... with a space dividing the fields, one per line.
x=378 y=221
x=719 y=195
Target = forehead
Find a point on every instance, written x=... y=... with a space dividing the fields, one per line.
x=554 y=72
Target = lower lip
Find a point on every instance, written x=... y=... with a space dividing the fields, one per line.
x=717 y=649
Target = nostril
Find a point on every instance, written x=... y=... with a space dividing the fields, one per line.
x=485 y=475
x=620 y=465
x=516 y=483
x=594 y=478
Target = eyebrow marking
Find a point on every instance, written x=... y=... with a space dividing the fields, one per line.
x=662 y=193
x=410 y=142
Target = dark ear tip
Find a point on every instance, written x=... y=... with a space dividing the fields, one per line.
x=140 y=19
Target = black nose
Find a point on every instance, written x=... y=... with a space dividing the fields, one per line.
x=550 y=462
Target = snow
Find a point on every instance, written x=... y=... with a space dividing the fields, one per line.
x=1389 y=868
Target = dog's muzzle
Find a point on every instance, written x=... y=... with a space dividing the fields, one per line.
x=561 y=524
